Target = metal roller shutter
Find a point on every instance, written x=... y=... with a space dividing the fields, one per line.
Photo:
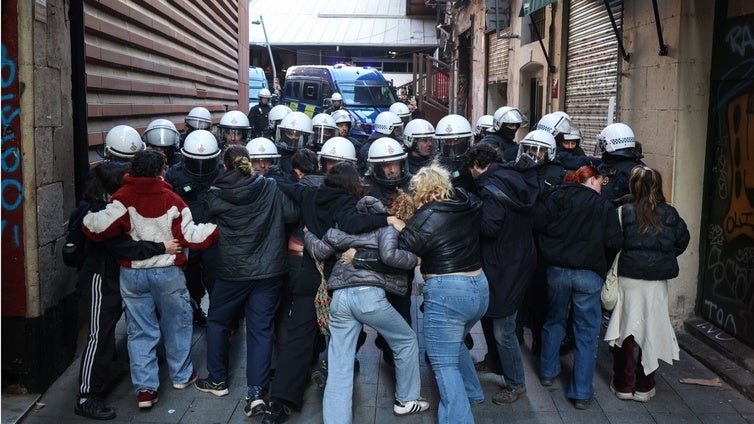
x=592 y=66
x=497 y=61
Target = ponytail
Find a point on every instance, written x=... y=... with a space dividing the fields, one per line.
x=237 y=157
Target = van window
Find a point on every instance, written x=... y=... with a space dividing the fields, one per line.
x=292 y=90
x=311 y=92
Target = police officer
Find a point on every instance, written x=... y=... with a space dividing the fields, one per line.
x=454 y=138
x=233 y=128
x=198 y=118
x=259 y=115
x=292 y=134
x=191 y=179
x=263 y=154
x=505 y=122
x=419 y=142
x=337 y=103
x=386 y=124
x=619 y=157
x=161 y=135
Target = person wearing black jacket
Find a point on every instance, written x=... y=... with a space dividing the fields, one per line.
x=251 y=213
x=579 y=235
x=508 y=194
x=259 y=116
x=99 y=289
x=505 y=123
x=333 y=204
x=654 y=236
x=619 y=156
x=444 y=232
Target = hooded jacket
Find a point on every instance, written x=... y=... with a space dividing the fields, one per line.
x=322 y=208
x=651 y=255
x=251 y=213
x=446 y=235
x=509 y=255
x=384 y=240
x=577 y=229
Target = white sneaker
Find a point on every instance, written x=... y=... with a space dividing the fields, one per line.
x=644 y=396
x=410 y=407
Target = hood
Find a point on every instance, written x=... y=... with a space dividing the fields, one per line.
x=521 y=185
x=238 y=189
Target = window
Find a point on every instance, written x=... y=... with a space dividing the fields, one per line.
x=311 y=92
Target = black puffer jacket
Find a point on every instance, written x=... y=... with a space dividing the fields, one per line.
x=251 y=213
x=650 y=255
x=508 y=250
x=446 y=235
x=577 y=229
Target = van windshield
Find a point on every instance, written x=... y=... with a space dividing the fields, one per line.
x=366 y=93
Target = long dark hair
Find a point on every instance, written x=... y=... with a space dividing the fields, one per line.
x=344 y=175
x=645 y=186
x=105 y=180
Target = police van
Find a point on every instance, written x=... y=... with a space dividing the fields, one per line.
x=257 y=81
x=366 y=93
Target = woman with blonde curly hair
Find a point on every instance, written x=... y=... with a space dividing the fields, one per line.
x=444 y=232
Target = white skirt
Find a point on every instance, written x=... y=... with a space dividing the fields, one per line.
x=642 y=312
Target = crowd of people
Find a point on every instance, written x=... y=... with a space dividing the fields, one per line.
x=258 y=212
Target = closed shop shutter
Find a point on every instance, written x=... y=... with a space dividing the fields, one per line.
x=159 y=59
x=497 y=61
x=592 y=66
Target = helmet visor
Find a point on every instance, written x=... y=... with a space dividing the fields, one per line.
x=197 y=123
x=389 y=173
x=454 y=148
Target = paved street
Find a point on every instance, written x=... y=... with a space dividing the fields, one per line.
x=373 y=396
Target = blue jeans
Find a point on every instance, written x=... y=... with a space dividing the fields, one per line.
x=146 y=292
x=452 y=305
x=509 y=350
x=582 y=289
x=350 y=308
x=259 y=299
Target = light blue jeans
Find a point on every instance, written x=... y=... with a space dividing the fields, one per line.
x=146 y=292
x=452 y=305
x=582 y=288
x=350 y=308
x=509 y=350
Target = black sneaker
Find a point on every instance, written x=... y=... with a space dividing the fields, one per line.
x=94 y=408
x=217 y=388
x=254 y=402
x=277 y=412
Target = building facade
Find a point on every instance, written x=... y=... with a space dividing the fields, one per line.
x=71 y=71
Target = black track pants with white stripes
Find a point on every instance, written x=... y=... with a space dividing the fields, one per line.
x=99 y=299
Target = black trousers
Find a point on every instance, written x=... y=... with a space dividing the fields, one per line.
x=100 y=302
x=200 y=273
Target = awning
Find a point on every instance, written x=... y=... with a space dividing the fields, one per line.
x=531 y=6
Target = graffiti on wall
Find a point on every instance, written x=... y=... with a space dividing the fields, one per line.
x=727 y=299
x=14 y=280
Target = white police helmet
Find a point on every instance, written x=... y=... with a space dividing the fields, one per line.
x=161 y=133
x=122 y=142
x=416 y=130
x=386 y=122
x=293 y=131
x=200 y=145
x=400 y=109
x=234 y=126
x=454 y=136
x=617 y=139
x=386 y=150
x=198 y=118
x=336 y=97
x=323 y=128
x=555 y=123
x=262 y=148
x=337 y=149
x=277 y=113
x=264 y=94
x=483 y=125
x=507 y=115
x=538 y=145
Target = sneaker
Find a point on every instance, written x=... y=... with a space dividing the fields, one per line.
x=94 y=408
x=254 y=402
x=276 y=412
x=582 y=404
x=410 y=407
x=644 y=396
x=621 y=395
x=191 y=380
x=147 y=398
x=319 y=376
x=508 y=395
x=217 y=388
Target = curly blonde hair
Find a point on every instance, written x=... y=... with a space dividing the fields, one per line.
x=431 y=183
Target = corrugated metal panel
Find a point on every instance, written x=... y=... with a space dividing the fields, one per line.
x=155 y=58
x=592 y=66
x=497 y=59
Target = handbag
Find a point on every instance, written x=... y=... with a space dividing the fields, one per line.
x=322 y=302
x=609 y=295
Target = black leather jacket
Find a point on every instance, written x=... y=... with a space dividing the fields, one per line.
x=446 y=235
